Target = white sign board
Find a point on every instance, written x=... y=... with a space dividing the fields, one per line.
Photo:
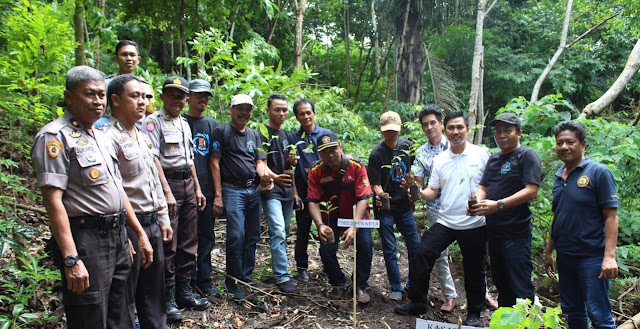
x=360 y=223
x=424 y=324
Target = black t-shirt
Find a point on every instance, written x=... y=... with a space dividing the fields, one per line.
x=202 y=132
x=505 y=175
x=237 y=152
x=277 y=160
x=389 y=178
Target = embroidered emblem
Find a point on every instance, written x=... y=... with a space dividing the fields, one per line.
x=123 y=139
x=398 y=171
x=285 y=144
x=365 y=181
x=177 y=81
x=583 y=181
x=201 y=144
x=506 y=167
x=149 y=144
x=82 y=142
x=326 y=139
x=215 y=145
x=94 y=173
x=54 y=148
x=170 y=127
x=150 y=126
x=251 y=146
x=76 y=134
x=166 y=116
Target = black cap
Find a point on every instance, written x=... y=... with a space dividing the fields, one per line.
x=176 y=82
x=327 y=141
x=509 y=118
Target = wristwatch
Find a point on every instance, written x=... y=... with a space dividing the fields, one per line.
x=70 y=261
x=500 y=204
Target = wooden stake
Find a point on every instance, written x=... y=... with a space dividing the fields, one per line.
x=355 y=300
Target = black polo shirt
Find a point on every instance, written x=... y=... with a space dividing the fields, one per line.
x=202 y=133
x=505 y=175
x=277 y=146
x=385 y=171
x=237 y=152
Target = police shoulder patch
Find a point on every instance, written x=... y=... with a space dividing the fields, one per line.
x=54 y=148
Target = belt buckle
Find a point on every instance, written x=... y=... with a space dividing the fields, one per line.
x=249 y=182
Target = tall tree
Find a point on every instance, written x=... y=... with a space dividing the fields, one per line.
x=79 y=24
x=301 y=8
x=347 y=43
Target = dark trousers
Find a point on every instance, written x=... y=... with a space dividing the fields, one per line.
x=146 y=285
x=201 y=276
x=364 y=254
x=303 y=222
x=180 y=253
x=105 y=254
x=436 y=240
x=511 y=266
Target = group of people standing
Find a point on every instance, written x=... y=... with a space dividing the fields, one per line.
x=132 y=199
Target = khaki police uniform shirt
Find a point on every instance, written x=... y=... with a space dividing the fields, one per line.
x=65 y=156
x=138 y=170
x=171 y=139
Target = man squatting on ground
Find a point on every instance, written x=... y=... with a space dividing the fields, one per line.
x=237 y=168
x=584 y=231
x=278 y=203
x=76 y=168
x=388 y=166
x=341 y=181
x=456 y=172
x=202 y=128
x=307 y=153
x=171 y=138
x=510 y=180
x=126 y=98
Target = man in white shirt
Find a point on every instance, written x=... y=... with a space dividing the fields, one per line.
x=456 y=173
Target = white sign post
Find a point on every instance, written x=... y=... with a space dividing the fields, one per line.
x=359 y=223
x=425 y=324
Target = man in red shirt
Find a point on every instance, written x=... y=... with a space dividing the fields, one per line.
x=337 y=184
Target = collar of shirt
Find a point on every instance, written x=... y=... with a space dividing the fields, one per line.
x=68 y=116
x=582 y=164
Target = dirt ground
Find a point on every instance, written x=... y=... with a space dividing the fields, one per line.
x=312 y=308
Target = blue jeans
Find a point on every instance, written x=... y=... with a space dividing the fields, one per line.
x=511 y=266
x=582 y=293
x=201 y=276
x=243 y=207
x=406 y=224
x=278 y=215
x=364 y=255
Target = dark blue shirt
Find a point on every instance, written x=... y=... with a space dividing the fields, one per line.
x=578 y=227
x=307 y=159
x=202 y=134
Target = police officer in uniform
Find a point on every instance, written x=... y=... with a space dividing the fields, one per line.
x=87 y=206
x=172 y=145
x=126 y=97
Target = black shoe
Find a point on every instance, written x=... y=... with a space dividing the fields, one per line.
x=415 y=309
x=473 y=320
x=303 y=275
x=209 y=292
x=187 y=299
x=337 y=292
x=288 y=287
x=173 y=312
x=238 y=293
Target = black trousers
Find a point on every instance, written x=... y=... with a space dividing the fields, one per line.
x=105 y=254
x=146 y=285
x=437 y=239
x=303 y=223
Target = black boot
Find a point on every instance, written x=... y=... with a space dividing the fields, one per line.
x=173 y=312
x=187 y=299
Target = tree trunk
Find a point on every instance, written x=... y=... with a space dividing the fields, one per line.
x=477 y=138
x=301 y=8
x=374 y=25
x=561 y=48
x=403 y=33
x=101 y=5
x=630 y=69
x=182 y=42
x=475 y=96
x=347 y=42
x=78 y=21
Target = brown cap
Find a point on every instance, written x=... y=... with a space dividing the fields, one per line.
x=390 y=121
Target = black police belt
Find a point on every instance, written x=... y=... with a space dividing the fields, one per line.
x=148 y=218
x=102 y=222
x=240 y=182
x=181 y=174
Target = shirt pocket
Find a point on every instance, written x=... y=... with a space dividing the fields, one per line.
x=172 y=145
x=93 y=170
x=134 y=162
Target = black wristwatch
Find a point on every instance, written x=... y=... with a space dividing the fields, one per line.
x=500 y=204
x=70 y=261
